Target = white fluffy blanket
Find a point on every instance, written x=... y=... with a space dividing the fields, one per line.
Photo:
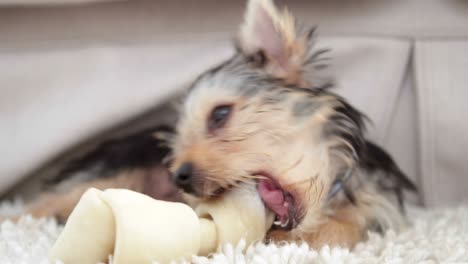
x=437 y=236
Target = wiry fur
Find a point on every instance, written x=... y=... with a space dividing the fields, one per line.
x=287 y=123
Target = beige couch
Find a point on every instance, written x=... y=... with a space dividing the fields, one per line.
x=70 y=71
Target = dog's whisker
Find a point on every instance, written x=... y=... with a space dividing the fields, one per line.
x=294 y=165
x=310 y=180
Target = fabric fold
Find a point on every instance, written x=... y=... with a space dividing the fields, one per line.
x=442 y=89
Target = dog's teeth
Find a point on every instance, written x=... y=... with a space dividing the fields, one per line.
x=277 y=223
x=285 y=224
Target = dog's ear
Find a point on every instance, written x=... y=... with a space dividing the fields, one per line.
x=270 y=37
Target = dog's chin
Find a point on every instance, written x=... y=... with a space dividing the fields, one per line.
x=205 y=195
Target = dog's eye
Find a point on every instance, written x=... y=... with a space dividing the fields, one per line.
x=219 y=116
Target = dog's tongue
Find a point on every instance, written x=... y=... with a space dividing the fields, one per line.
x=273 y=197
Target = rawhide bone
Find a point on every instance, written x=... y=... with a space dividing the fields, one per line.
x=135 y=228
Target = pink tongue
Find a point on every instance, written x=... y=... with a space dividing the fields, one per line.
x=273 y=197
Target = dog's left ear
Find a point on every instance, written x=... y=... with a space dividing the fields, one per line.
x=270 y=38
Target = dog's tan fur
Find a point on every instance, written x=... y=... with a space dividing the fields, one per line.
x=342 y=228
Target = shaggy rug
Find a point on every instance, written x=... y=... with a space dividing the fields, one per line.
x=436 y=236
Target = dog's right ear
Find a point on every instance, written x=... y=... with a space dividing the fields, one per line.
x=271 y=38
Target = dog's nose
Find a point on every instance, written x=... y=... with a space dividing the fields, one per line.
x=183 y=177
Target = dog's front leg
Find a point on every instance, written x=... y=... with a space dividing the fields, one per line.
x=60 y=204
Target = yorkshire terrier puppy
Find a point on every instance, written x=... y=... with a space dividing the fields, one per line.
x=260 y=117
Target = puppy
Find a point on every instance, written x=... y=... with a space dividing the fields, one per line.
x=261 y=117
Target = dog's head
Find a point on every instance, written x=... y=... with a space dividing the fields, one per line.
x=259 y=117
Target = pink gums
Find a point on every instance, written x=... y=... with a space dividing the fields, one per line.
x=273 y=197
